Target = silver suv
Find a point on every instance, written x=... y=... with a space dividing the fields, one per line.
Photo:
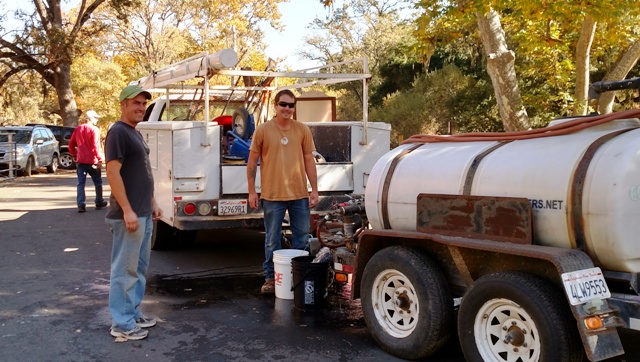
x=31 y=147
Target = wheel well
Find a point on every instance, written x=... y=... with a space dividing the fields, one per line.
x=463 y=261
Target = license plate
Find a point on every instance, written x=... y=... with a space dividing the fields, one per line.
x=232 y=207
x=584 y=285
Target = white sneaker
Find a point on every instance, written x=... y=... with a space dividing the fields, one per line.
x=135 y=334
x=144 y=322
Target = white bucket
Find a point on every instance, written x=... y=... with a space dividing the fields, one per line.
x=283 y=274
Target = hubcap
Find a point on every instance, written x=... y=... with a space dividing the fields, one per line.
x=395 y=303
x=504 y=331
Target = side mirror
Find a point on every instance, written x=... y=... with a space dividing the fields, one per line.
x=39 y=141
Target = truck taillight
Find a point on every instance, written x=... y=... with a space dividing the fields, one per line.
x=190 y=209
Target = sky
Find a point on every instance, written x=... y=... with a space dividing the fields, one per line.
x=296 y=15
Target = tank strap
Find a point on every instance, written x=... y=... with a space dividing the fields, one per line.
x=471 y=173
x=384 y=207
x=577 y=190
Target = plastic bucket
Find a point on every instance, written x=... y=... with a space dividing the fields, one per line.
x=309 y=283
x=282 y=271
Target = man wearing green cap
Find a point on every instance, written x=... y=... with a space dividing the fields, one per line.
x=131 y=214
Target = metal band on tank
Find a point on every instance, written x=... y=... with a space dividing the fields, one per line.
x=471 y=173
x=387 y=182
x=577 y=189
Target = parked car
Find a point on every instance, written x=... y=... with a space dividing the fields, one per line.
x=63 y=135
x=35 y=146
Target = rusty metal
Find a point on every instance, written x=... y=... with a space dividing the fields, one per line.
x=490 y=218
x=471 y=172
x=577 y=190
x=384 y=200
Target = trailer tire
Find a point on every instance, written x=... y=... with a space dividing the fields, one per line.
x=166 y=237
x=406 y=303
x=517 y=316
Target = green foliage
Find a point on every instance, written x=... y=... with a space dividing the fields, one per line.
x=97 y=84
x=439 y=101
x=371 y=29
x=543 y=35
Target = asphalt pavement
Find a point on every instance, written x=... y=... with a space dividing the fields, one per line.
x=54 y=267
x=54 y=270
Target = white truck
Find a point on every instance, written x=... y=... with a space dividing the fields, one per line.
x=526 y=243
x=198 y=156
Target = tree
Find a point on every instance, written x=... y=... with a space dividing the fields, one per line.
x=618 y=72
x=161 y=32
x=551 y=40
x=371 y=29
x=500 y=66
x=48 y=43
x=583 y=54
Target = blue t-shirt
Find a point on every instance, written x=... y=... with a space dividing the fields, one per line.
x=126 y=145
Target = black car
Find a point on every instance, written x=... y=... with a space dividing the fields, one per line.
x=63 y=135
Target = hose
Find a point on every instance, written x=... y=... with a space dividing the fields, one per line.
x=556 y=130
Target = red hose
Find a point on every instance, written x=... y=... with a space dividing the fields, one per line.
x=556 y=130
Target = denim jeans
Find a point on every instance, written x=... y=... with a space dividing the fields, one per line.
x=82 y=170
x=129 y=262
x=273 y=217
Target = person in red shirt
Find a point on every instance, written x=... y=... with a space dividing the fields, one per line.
x=85 y=147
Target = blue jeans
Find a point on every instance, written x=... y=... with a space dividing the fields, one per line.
x=274 y=211
x=129 y=262
x=82 y=170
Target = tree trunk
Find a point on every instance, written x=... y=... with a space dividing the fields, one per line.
x=66 y=100
x=619 y=72
x=500 y=66
x=583 y=50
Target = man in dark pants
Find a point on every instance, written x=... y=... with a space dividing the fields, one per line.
x=89 y=157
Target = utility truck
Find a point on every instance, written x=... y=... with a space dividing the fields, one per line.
x=199 y=133
x=525 y=243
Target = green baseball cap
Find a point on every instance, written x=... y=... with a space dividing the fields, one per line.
x=132 y=91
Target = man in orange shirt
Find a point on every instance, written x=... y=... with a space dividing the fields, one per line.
x=88 y=156
x=285 y=149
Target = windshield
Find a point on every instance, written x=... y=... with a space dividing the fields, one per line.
x=21 y=137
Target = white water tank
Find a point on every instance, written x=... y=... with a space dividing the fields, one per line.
x=542 y=170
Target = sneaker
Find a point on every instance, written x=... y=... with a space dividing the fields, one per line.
x=144 y=322
x=135 y=334
x=101 y=205
x=269 y=287
x=82 y=208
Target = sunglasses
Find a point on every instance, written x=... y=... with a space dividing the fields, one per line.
x=287 y=104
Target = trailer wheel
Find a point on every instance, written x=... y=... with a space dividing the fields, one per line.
x=168 y=237
x=406 y=303
x=515 y=316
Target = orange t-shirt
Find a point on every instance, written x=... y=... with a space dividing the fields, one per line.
x=282 y=173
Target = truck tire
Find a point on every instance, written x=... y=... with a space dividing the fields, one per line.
x=406 y=303
x=514 y=316
x=241 y=123
x=166 y=237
